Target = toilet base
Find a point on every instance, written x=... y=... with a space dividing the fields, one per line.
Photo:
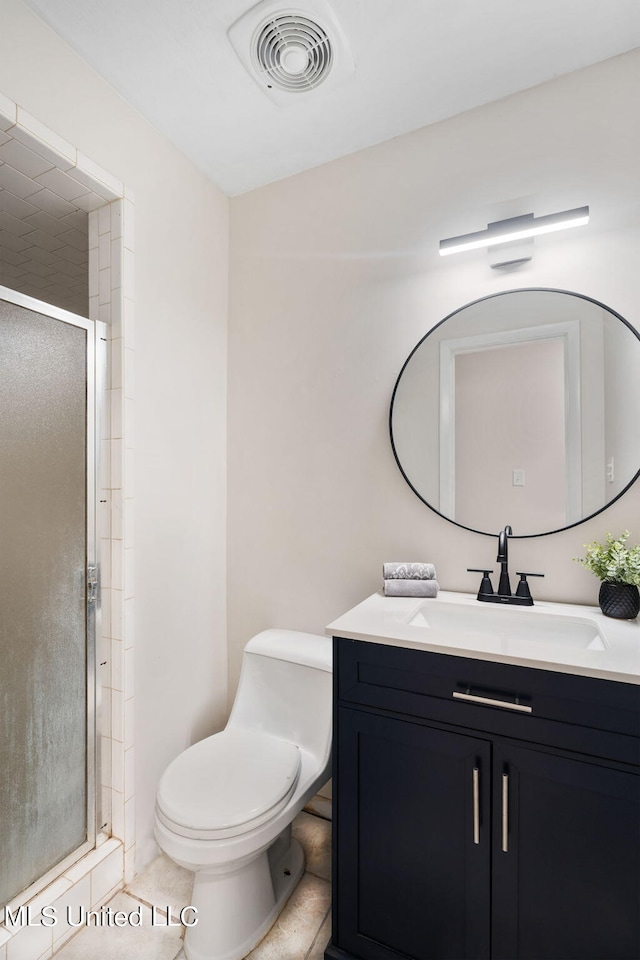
x=236 y=910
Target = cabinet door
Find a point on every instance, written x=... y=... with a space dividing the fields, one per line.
x=567 y=886
x=413 y=841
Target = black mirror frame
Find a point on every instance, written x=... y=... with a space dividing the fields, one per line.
x=491 y=296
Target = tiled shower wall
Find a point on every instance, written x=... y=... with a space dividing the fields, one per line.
x=92 y=880
x=110 y=279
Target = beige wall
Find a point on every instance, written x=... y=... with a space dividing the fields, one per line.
x=335 y=276
x=181 y=246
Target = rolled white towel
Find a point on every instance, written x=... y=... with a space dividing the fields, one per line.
x=411 y=588
x=408 y=571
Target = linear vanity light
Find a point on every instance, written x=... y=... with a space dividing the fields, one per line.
x=516 y=228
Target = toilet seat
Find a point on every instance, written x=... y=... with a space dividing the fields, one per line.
x=227 y=784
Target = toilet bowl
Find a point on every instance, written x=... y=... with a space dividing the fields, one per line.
x=224 y=807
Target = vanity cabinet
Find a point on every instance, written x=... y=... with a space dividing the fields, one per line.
x=466 y=829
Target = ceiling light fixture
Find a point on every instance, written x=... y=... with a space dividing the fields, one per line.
x=516 y=228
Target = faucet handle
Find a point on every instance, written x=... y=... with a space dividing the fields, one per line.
x=523 y=590
x=486 y=587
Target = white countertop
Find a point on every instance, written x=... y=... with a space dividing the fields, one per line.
x=386 y=620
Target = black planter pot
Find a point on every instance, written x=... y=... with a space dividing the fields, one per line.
x=619 y=600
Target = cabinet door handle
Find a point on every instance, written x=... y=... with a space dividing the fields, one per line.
x=490 y=702
x=476 y=805
x=505 y=813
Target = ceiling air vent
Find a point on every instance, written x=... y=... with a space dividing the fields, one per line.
x=290 y=51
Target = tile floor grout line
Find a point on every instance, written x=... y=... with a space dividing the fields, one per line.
x=317 y=875
x=317 y=933
x=151 y=906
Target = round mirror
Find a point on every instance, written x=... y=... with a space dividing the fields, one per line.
x=522 y=408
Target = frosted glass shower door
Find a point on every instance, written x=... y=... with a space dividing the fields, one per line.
x=46 y=753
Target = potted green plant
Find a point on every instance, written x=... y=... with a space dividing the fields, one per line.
x=618 y=566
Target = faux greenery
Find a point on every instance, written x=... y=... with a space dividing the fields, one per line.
x=613 y=561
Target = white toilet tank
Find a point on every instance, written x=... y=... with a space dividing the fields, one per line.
x=285 y=689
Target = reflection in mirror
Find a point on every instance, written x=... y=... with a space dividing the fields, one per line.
x=521 y=408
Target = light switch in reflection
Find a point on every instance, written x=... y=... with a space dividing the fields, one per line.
x=518 y=478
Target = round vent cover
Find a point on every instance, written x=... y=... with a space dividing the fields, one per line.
x=293 y=52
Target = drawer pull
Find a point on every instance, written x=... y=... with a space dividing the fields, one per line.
x=505 y=813
x=476 y=805
x=489 y=702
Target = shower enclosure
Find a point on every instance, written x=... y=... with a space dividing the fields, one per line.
x=48 y=590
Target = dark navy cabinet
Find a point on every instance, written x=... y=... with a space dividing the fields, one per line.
x=568 y=885
x=465 y=829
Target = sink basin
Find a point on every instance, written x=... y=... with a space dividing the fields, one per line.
x=507 y=624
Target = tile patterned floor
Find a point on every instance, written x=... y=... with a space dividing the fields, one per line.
x=301 y=932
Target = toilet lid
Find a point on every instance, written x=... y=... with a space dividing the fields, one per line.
x=227 y=784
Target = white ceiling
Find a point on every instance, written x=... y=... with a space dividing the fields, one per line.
x=417 y=62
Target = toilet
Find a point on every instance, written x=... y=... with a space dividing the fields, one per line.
x=224 y=807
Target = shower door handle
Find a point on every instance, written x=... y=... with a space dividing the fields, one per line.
x=92 y=583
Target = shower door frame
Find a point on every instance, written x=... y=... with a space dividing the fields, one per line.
x=96 y=370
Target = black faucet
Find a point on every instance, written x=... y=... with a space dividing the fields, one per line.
x=522 y=596
x=504 y=586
